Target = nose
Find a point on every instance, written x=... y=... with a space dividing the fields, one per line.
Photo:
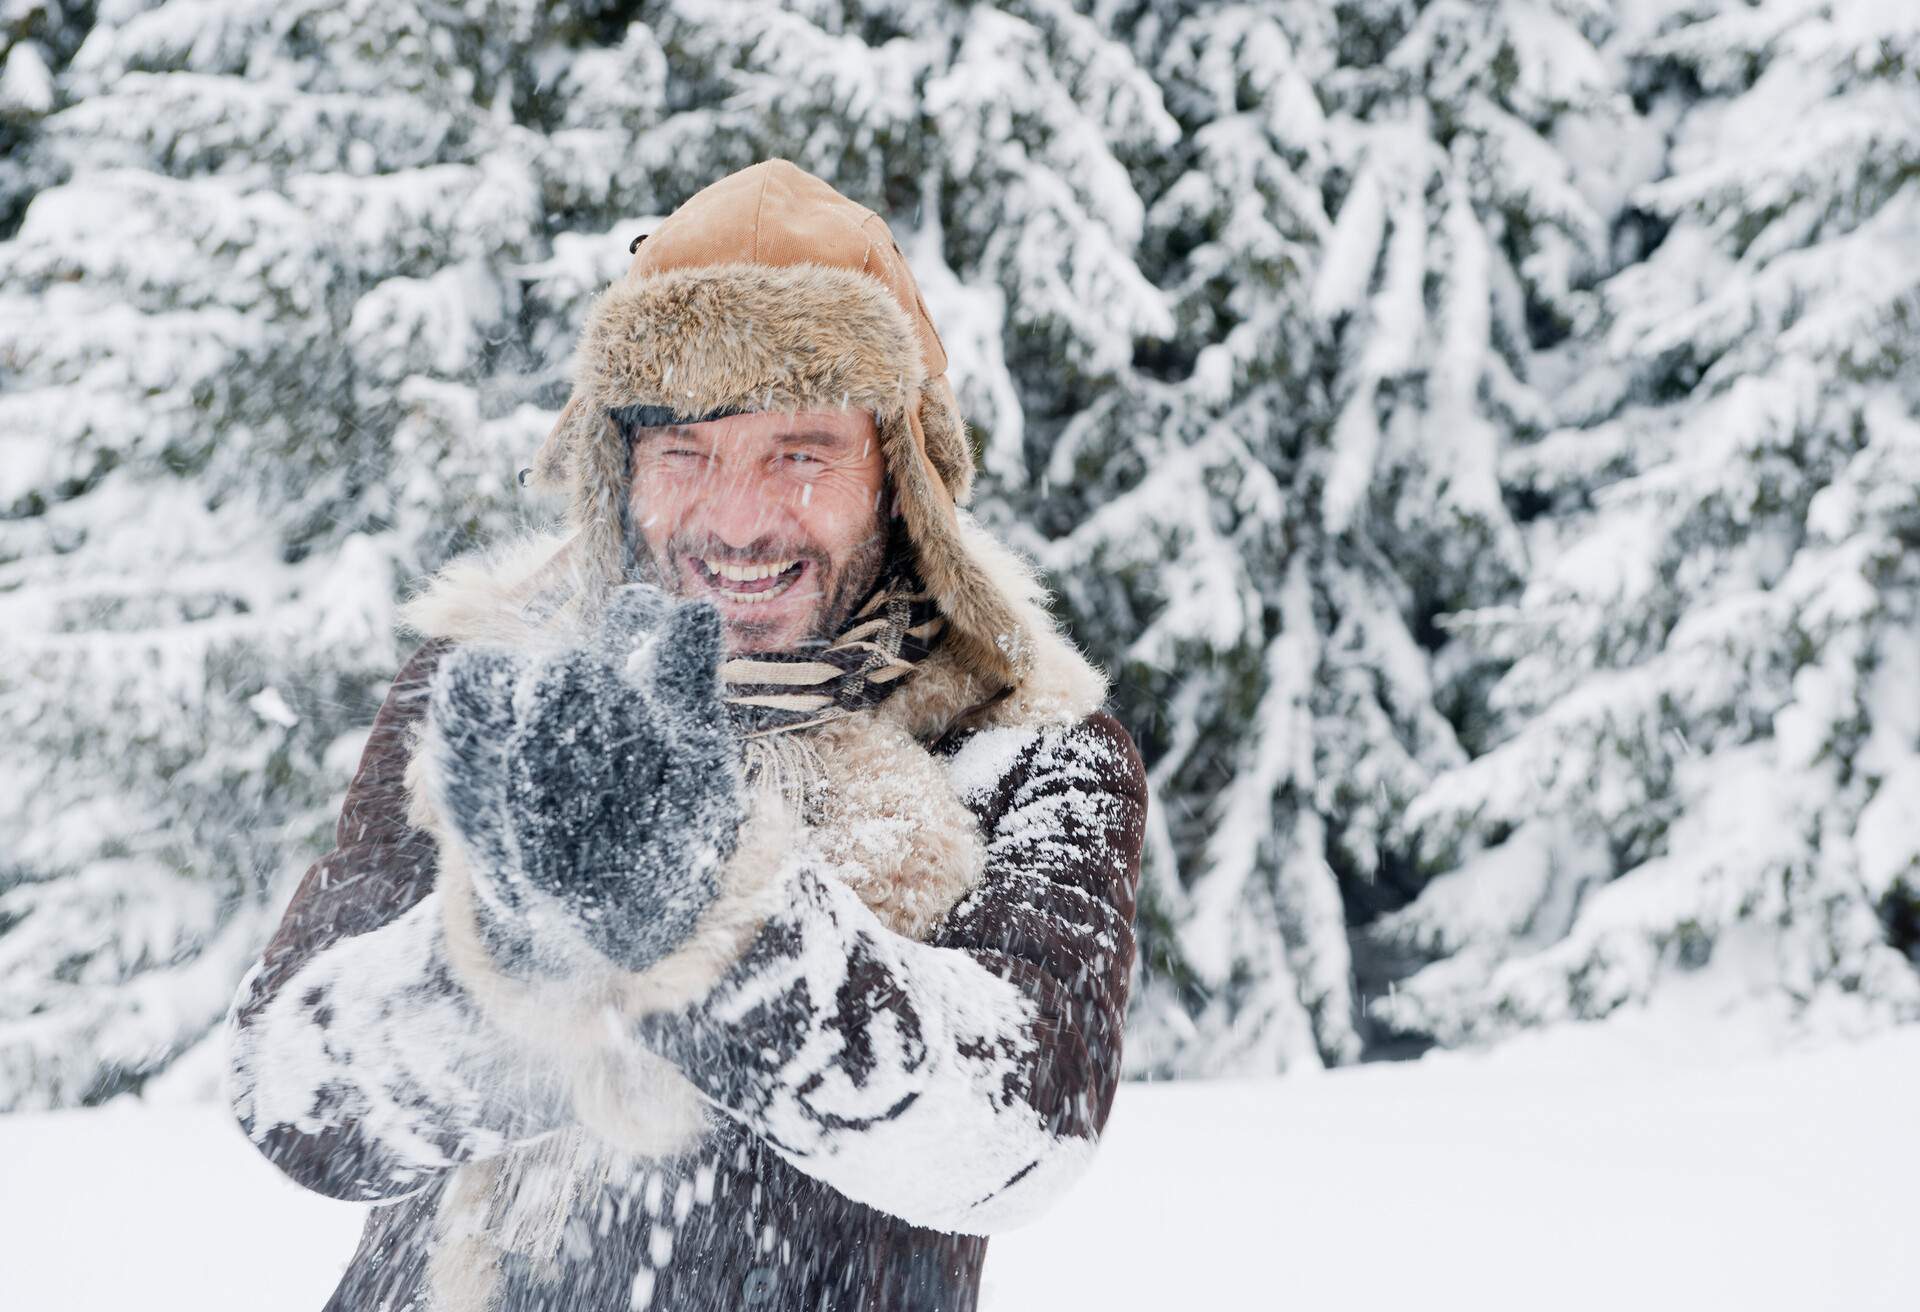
x=739 y=507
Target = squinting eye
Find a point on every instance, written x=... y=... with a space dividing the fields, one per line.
x=801 y=458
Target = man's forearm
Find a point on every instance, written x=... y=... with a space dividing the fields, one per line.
x=987 y=1056
x=366 y=1071
x=853 y=1050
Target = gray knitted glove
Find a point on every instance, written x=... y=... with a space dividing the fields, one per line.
x=615 y=795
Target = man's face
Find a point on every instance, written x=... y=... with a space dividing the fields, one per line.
x=776 y=518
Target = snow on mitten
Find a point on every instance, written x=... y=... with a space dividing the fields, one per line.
x=573 y=782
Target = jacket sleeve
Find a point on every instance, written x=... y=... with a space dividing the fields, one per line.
x=959 y=1083
x=356 y=1064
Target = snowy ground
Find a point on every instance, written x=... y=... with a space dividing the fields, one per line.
x=1562 y=1173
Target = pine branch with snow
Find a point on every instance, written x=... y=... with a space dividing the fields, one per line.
x=1706 y=731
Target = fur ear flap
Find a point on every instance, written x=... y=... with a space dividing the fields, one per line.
x=981 y=626
x=585 y=457
x=945 y=435
x=553 y=462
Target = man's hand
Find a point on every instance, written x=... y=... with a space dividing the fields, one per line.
x=603 y=778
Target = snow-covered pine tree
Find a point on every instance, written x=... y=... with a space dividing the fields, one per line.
x=1366 y=233
x=1706 y=735
x=36 y=37
x=259 y=372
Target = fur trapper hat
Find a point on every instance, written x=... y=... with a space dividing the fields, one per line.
x=769 y=290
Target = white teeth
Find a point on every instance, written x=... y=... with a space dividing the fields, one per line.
x=752 y=598
x=747 y=573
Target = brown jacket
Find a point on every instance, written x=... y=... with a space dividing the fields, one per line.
x=896 y=1028
x=742 y=1218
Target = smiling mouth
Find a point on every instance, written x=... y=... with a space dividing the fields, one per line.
x=748 y=583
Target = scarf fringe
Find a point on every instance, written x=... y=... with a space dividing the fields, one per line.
x=881 y=645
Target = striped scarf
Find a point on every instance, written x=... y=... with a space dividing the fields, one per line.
x=896 y=628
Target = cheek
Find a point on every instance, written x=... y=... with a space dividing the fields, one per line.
x=836 y=513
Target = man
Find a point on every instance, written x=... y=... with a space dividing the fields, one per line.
x=733 y=906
